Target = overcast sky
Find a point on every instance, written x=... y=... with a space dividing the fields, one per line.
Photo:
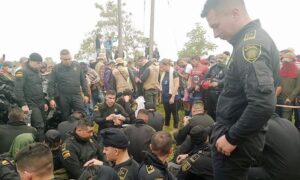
x=47 y=26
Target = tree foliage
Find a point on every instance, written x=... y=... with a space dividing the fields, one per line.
x=197 y=45
x=108 y=26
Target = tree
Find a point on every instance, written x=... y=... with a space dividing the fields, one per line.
x=198 y=45
x=108 y=26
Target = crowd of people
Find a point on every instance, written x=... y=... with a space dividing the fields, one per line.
x=98 y=120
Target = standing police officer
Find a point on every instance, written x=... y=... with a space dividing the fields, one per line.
x=248 y=98
x=29 y=93
x=68 y=77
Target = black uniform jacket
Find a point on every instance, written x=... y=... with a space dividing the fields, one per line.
x=248 y=98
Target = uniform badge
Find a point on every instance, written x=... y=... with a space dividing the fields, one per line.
x=251 y=52
x=194 y=157
x=66 y=154
x=150 y=169
x=250 y=35
x=185 y=166
x=122 y=173
x=4 y=162
x=19 y=74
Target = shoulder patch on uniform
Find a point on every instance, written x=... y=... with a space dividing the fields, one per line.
x=185 y=166
x=250 y=35
x=251 y=52
x=66 y=154
x=4 y=162
x=150 y=169
x=19 y=74
x=122 y=173
x=194 y=157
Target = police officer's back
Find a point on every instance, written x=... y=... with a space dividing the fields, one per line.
x=155 y=163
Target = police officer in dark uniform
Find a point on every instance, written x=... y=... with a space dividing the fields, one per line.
x=80 y=148
x=8 y=169
x=155 y=165
x=68 y=77
x=248 y=98
x=29 y=93
x=197 y=163
x=109 y=113
x=115 y=148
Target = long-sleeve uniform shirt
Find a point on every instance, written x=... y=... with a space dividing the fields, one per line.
x=248 y=98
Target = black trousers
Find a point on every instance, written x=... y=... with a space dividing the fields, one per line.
x=70 y=103
x=236 y=166
x=258 y=173
x=171 y=109
x=38 y=120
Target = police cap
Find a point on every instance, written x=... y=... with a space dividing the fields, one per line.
x=115 y=138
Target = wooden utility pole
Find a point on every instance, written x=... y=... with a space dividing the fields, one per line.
x=151 y=30
x=120 y=26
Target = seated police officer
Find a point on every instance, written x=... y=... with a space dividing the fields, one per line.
x=115 y=149
x=80 y=148
x=198 y=118
x=109 y=113
x=35 y=162
x=197 y=164
x=280 y=157
x=155 y=164
x=128 y=103
x=139 y=135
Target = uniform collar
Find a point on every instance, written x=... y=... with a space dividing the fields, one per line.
x=128 y=162
x=236 y=38
x=16 y=123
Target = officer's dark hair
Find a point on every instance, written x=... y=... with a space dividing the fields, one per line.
x=16 y=114
x=161 y=143
x=215 y=4
x=83 y=123
x=143 y=111
x=64 y=52
x=111 y=92
x=35 y=158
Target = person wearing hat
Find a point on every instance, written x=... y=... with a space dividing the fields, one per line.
x=79 y=148
x=29 y=93
x=147 y=80
x=197 y=163
x=99 y=68
x=69 y=80
x=22 y=63
x=115 y=149
x=122 y=76
x=155 y=165
x=290 y=83
x=139 y=135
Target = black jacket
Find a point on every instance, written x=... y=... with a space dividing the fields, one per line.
x=248 y=98
x=28 y=87
x=8 y=170
x=75 y=152
x=68 y=80
x=156 y=120
x=139 y=136
x=216 y=74
x=104 y=111
x=153 y=168
x=281 y=157
x=200 y=119
x=127 y=170
x=9 y=131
